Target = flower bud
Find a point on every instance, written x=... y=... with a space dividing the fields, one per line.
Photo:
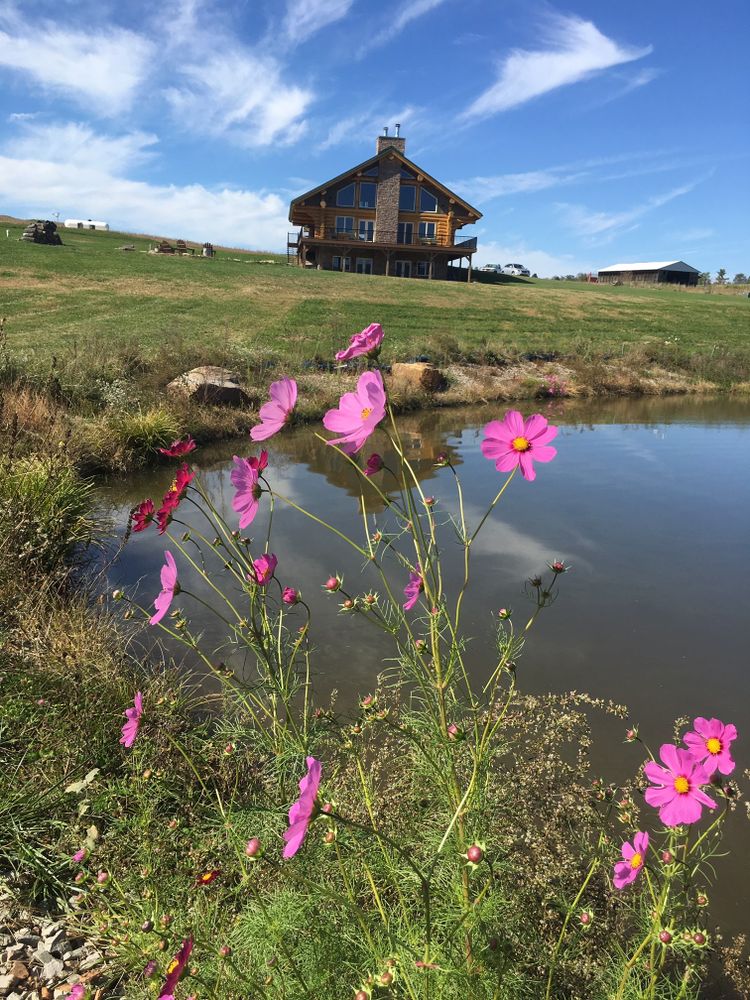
x=475 y=854
x=453 y=731
x=290 y=596
x=327 y=808
x=329 y=837
x=166 y=919
x=386 y=979
x=558 y=566
x=429 y=501
x=586 y=917
x=253 y=848
x=699 y=939
x=503 y=614
x=147 y=925
x=102 y=878
x=332 y=584
x=667 y=857
x=173 y=824
x=79 y=877
x=701 y=899
x=225 y=951
x=665 y=937
x=631 y=734
x=117 y=595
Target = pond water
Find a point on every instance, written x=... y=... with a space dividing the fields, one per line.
x=647 y=501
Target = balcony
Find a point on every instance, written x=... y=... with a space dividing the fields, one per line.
x=389 y=239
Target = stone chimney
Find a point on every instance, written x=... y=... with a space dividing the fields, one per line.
x=385 y=140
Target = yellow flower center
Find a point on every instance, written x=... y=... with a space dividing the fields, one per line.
x=636 y=861
x=520 y=444
x=366 y=412
x=713 y=745
x=681 y=785
x=172 y=966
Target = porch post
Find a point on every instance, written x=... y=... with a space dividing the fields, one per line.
x=387 y=263
x=432 y=261
x=468 y=276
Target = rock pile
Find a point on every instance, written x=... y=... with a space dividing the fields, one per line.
x=42 y=232
x=42 y=959
x=210 y=384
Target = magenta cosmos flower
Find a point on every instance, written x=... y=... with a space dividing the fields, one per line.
x=374 y=464
x=709 y=744
x=516 y=442
x=366 y=342
x=277 y=411
x=264 y=567
x=303 y=809
x=133 y=715
x=179 y=448
x=244 y=478
x=358 y=413
x=413 y=589
x=633 y=858
x=175 y=969
x=143 y=515
x=677 y=794
x=290 y=596
x=169 y=587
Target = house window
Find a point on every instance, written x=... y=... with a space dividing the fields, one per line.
x=427 y=232
x=345 y=196
x=364 y=265
x=371 y=171
x=423 y=269
x=407 y=198
x=341 y=263
x=345 y=225
x=407 y=174
x=367 y=230
x=405 y=230
x=402 y=268
x=367 y=194
x=427 y=201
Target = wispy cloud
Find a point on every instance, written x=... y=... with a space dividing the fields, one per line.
x=23 y=116
x=306 y=17
x=101 y=69
x=80 y=145
x=366 y=125
x=630 y=82
x=576 y=50
x=410 y=11
x=34 y=184
x=605 y=225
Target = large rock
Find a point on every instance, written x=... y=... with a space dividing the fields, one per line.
x=210 y=384
x=418 y=376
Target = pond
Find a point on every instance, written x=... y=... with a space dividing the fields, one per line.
x=647 y=501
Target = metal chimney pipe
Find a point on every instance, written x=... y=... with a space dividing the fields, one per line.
x=398 y=128
x=385 y=130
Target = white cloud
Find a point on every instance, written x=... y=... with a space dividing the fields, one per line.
x=540 y=262
x=22 y=116
x=410 y=11
x=305 y=17
x=576 y=50
x=632 y=82
x=101 y=69
x=34 y=186
x=241 y=96
x=588 y=223
x=366 y=126
x=76 y=143
x=484 y=188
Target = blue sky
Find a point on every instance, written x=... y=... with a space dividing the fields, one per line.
x=587 y=134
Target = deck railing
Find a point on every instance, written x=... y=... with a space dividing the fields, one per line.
x=398 y=237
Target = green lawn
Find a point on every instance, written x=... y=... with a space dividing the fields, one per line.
x=61 y=299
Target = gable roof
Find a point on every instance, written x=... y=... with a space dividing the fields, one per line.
x=388 y=151
x=659 y=265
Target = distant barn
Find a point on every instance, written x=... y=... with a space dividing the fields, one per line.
x=662 y=272
x=85 y=224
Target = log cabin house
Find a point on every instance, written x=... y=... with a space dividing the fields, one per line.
x=384 y=216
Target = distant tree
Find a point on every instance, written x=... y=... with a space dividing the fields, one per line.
x=740 y=278
x=704 y=278
x=570 y=277
x=721 y=276
x=582 y=276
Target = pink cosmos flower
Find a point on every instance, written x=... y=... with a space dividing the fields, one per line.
x=264 y=568
x=515 y=442
x=244 y=478
x=143 y=515
x=133 y=715
x=290 y=596
x=366 y=342
x=278 y=411
x=358 y=413
x=179 y=448
x=374 y=464
x=709 y=744
x=169 y=587
x=677 y=794
x=171 y=500
x=80 y=855
x=78 y=992
x=413 y=589
x=261 y=462
x=633 y=858
x=303 y=809
x=175 y=969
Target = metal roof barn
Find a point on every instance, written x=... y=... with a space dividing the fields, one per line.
x=671 y=272
x=85 y=224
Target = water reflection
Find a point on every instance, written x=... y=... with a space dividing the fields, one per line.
x=647 y=500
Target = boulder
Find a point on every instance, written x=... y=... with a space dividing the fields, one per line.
x=210 y=384
x=418 y=376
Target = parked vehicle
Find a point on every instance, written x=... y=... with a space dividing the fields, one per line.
x=493 y=268
x=518 y=270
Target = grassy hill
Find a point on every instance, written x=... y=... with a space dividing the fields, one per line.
x=61 y=298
